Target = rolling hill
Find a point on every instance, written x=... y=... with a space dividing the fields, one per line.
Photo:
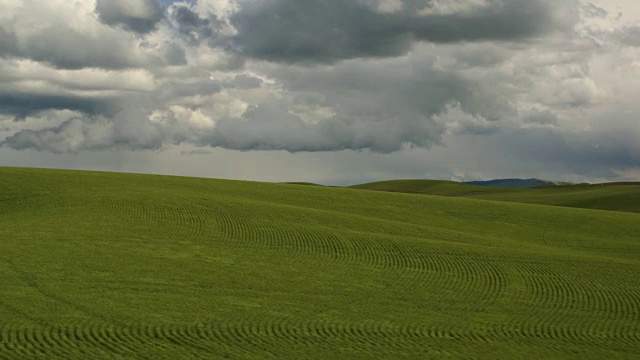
x=611 y=196
x=516 y=183
x=123 y=266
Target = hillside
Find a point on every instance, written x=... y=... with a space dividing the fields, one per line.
x=514 y=183
x=112 y=266
x=613 y=196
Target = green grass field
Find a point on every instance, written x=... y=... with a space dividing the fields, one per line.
x=614 y=196
x=122 y=266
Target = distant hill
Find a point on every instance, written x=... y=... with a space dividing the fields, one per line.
x=608 y=196
x=302 y=183
x=515 y=183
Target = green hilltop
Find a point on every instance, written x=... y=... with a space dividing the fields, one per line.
x=608 y=196
x=515 y=183
x=102 y=265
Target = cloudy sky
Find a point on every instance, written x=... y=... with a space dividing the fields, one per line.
x=330 y=91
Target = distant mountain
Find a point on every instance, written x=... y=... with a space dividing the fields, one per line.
x=515 y=183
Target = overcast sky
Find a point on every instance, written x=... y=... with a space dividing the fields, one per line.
x=329 y=91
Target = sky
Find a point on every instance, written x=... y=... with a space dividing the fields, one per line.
x=332 y=91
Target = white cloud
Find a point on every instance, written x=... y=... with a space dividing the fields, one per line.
x=452 y=7
x=81 y=79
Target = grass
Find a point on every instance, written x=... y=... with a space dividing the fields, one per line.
x=120 y=266
x=613 y=196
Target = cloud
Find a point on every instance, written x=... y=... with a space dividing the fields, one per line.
x=379 y=105
x=88 y=79
x=174 y=54
x=190 y=24
x=461 y=81
x=8 y=42
x=629 y=35
x=272 y=127
x=68 y=36
x=544 y=117
x=22 y=105
x=601 y=152
x=309 y=31
x=591 y=10
x=141 y=16
x=68 y=48
x=127 y=130
x=28 y=87
x=198 y=27
x=244 y=81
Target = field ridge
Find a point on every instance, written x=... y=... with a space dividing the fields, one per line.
x=119 y=266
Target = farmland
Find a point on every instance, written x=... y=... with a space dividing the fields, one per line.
x=119 y=266
x=608 y=196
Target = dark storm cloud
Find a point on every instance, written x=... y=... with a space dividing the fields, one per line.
x=68 y=48
x=23 y=105
x=190 y=22
x=8 y=43
x=195 y=28
x=174 y=55
x=141 y=16
x=595 y=152
x=298 y=31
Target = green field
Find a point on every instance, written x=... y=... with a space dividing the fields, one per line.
x=613 y=196
x=122 y=266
